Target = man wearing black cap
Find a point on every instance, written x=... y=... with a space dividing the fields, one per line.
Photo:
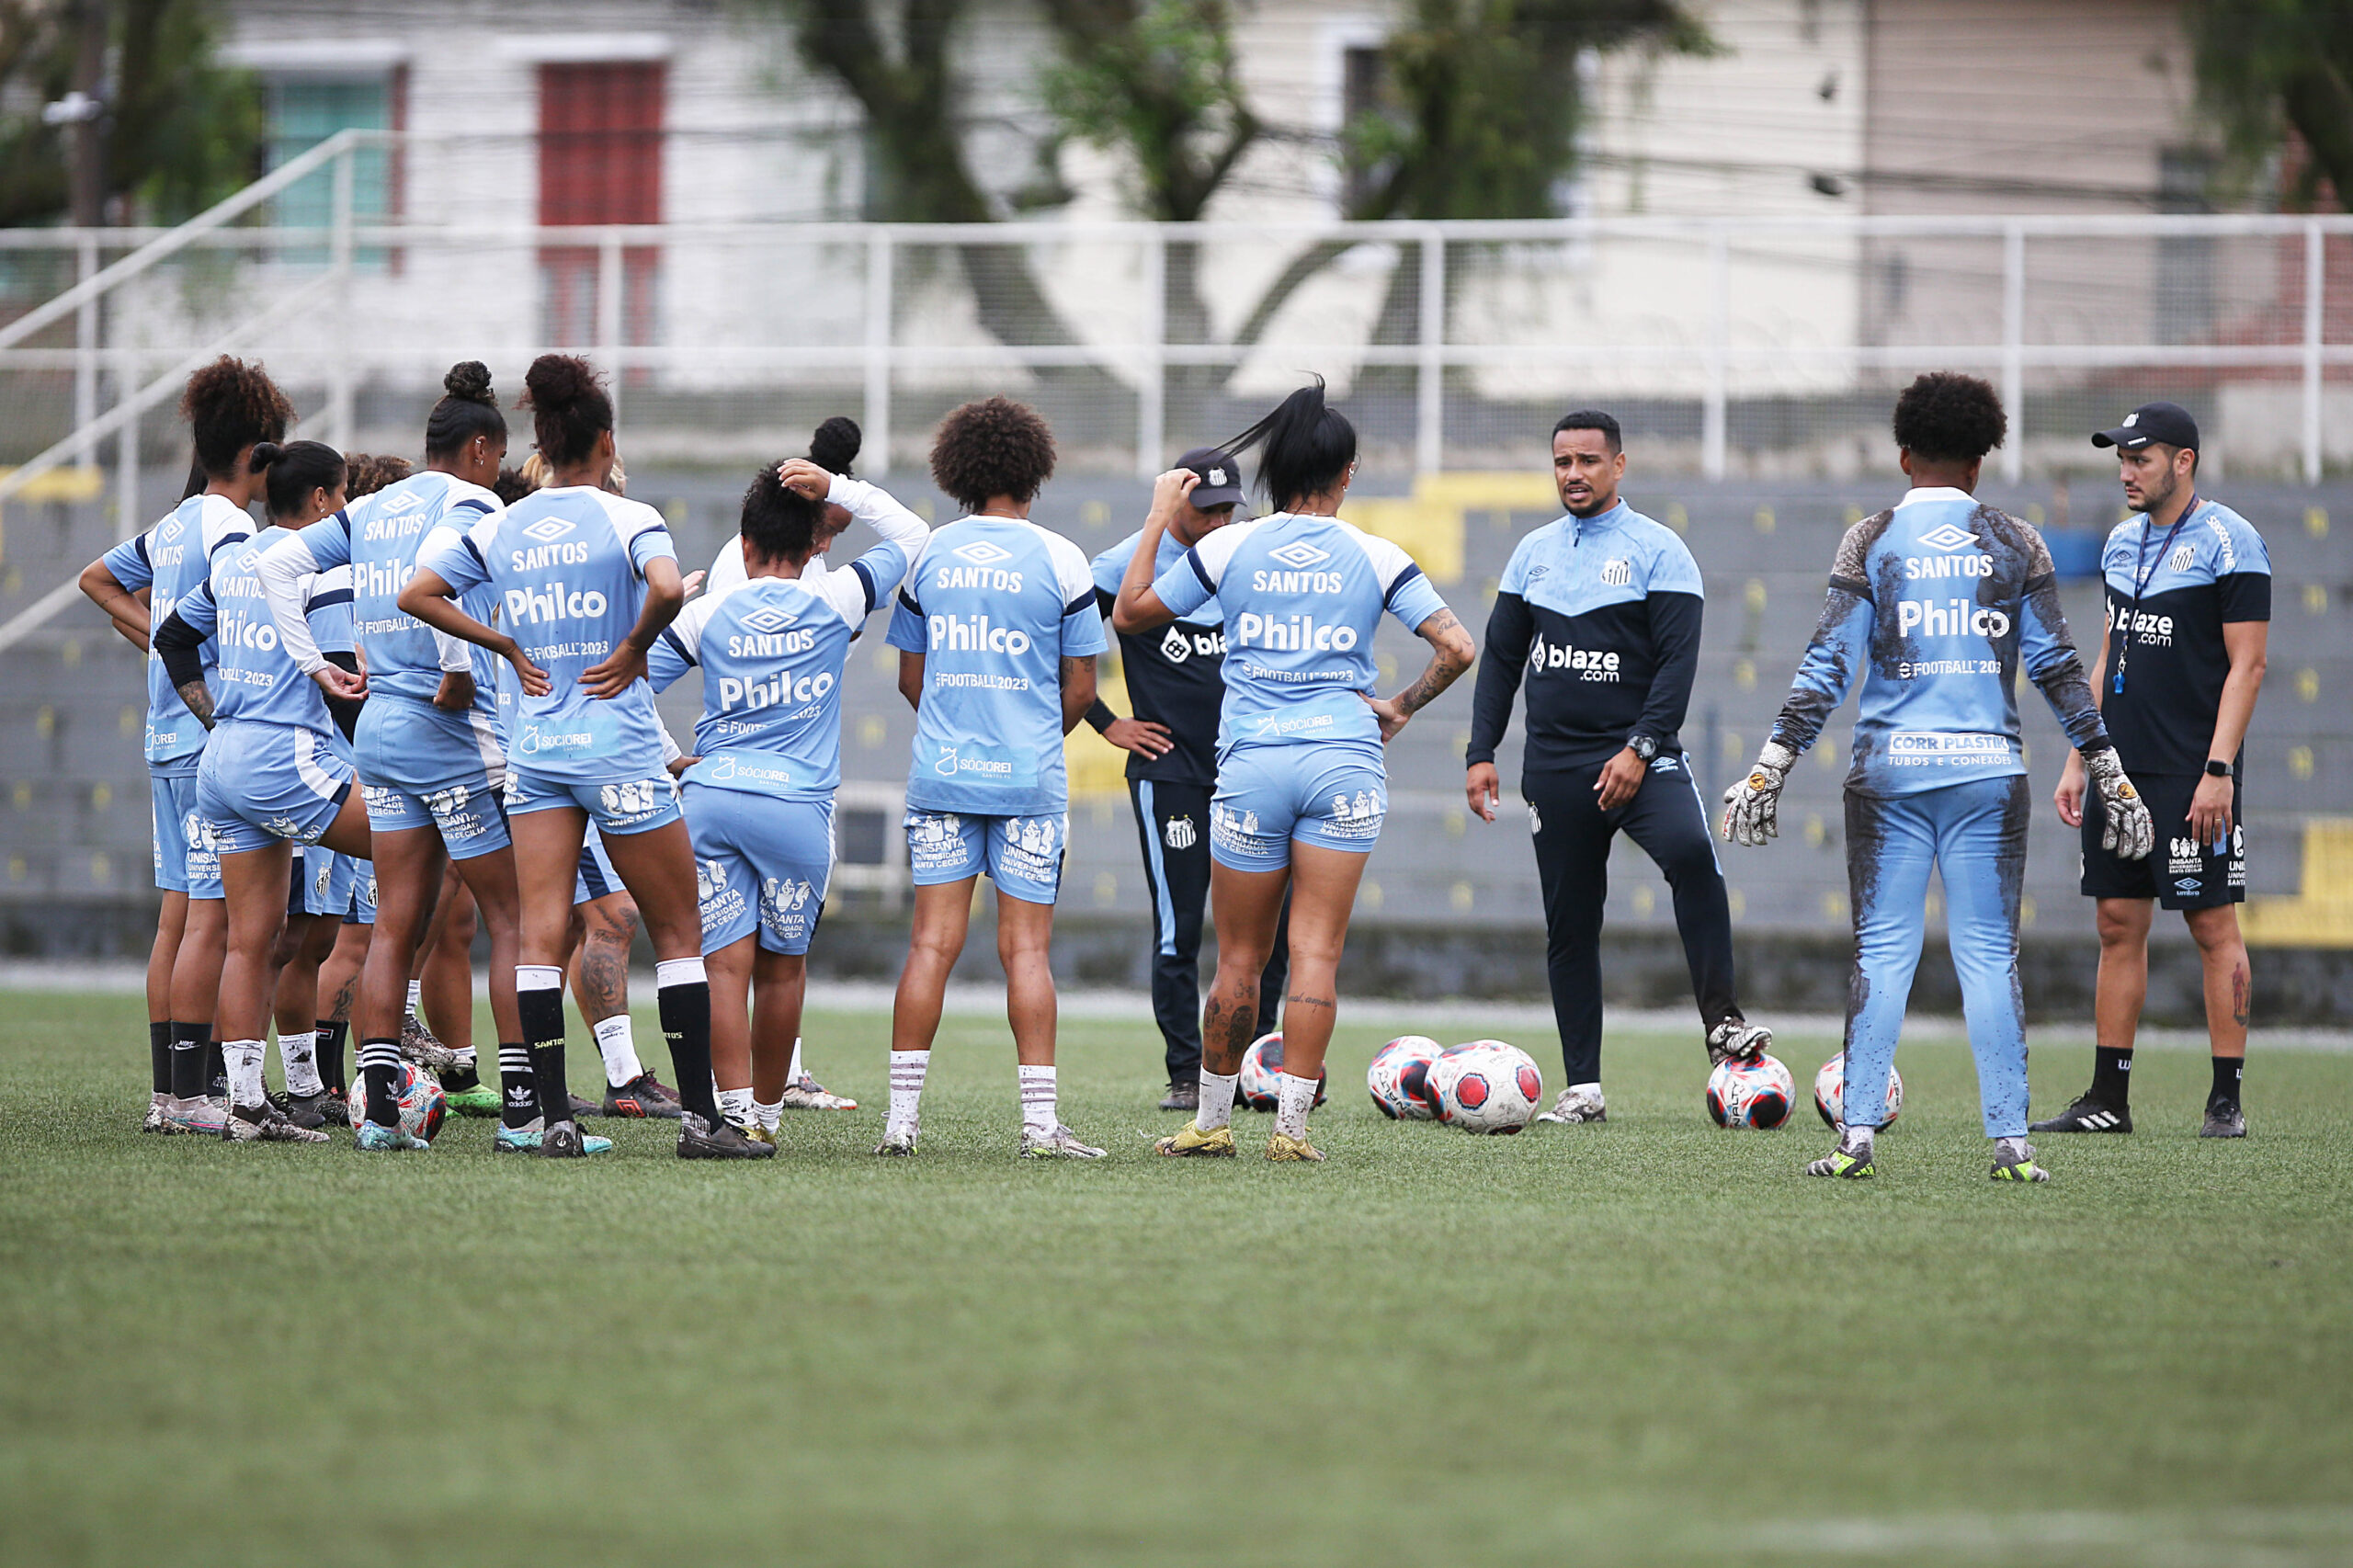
x=1176 y=680
x=2188 y=606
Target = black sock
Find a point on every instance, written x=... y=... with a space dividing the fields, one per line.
x=188 y=1081
x=2227 y=1070
x=379 y=1070
x=2113 y=1076
x=686 y=1025
x=542 y=1012
x=330 y=1049
x=159 y=1057
x=216 y=1067
x=519 y=1093
x=461 y=1078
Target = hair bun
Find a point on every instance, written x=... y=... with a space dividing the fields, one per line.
x=834 y=446
x=470 y=381
x=558 y=381
x=265 y=454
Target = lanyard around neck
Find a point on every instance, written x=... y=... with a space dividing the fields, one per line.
x=2143 y=573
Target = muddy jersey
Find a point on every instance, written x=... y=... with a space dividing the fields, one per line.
x=172 y=559
x=1175 y=675
x=1932 y=608
x=2170 y=591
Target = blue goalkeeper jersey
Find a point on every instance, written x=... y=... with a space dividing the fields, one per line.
x=172 y=559
x=1932 y=607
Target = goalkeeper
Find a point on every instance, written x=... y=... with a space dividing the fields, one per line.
x=1932 y=603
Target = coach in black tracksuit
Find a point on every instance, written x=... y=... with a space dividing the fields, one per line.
x=1176 y=681
x=1600 y=611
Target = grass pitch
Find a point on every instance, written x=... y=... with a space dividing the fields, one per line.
x=1649 y=1342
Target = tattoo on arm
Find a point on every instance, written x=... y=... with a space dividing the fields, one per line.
x=1443 y=666
x=198 y=698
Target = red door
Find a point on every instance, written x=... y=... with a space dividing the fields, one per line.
x=600 y=162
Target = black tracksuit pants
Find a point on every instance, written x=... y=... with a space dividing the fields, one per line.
x=1573 y=838
x=1173 y=822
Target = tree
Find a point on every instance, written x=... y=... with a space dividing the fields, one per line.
x=2270 y=66
x=177 y=131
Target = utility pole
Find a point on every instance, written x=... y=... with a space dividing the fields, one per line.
x=81 y=111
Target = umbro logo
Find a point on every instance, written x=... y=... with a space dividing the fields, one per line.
x=770 y=620
x=1947 y=535
x=169 y=531
x=547 y=528
x=981 y=553
x=1299 y=555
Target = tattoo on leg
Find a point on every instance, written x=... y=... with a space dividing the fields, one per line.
x=2241 y=995
x=1295 y=1000
x=603 y=975
x=339 y=1009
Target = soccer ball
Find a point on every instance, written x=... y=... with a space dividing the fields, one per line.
x=1744 y=1094
x=1399 y=1078
x=1830 y=1093
x=418 y=1095
x=1487 y=1086
x=1262 y=1068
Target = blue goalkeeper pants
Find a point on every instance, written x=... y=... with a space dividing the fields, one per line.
x=1975 y=835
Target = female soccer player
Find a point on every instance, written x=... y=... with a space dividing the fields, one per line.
x=759 y=794
x=232 y=408
x=272 y=776
x=587 y=580
x=1302 y=790
x=427 y=747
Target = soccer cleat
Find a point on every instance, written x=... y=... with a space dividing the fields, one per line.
x=2018 y=1167
x=376 y=1139
x=641 y=1097
x=562 y=1141
x=585 y=1107
x=1062 y=1143
x=1189 y=1142
x=699 y=1140
x=1852 y=1160
x=2088 y=1115
x=1736 y=1037
x=1576 y=1105
x=335 y=1104
x=1183 y=1095
x=2224 y=1119
x=204 y=1117
x=897 y=1143
x=420 y=1045
x=759 y=1134
x=1282 y=1147
x=153 y=1120
x=264 y=1123
x=307 y=1110
x=477 y=1099
x=526 y=1141
x=805 y=1093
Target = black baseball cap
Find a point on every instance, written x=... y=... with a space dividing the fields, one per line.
x=2167 y=422
x=1221 y=483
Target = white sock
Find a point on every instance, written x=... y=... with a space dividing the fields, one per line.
x=1037 y=1100
x=736 y=1104
x=769 y=1115
x=792 y=1073
x=244 y=1060
x=415 y=996
x=1858 y=1140
x=300 y=1053
x=619 y=1051
x=1593 y=1089
x=907 y=1069
x=1298 y=1099
x=1217 y=1100
x=2014 y=1147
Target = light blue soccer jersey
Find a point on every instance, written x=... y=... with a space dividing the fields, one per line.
x=1302 y=595
x=568 y=566
x=379 y=536
x=995 y=604
x=1932 y=607
x=256 y=680
x=172 y=559
x=772 y=651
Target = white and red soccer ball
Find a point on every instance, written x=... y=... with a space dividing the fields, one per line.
x=1752 y=1095
x=1830 y=1093
x=1486 y=1086
x=1260 y=1087
x=417 y=1093
x=1399 y=1078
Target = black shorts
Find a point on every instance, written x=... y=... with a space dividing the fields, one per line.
x=2179 y=873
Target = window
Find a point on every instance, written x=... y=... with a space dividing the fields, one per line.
x=600 y=162
x=304 y=111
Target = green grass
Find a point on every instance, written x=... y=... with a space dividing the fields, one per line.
x=1649 y=1341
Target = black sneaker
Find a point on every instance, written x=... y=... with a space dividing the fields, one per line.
x=584 y=1107
x=2088 y=1115
x=1183 y=1095
x=307 y=1110
x=2224 y=1119
x=642 y=1097
x=562 y=1142
x=697 y=1140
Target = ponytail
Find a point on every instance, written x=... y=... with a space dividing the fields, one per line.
x=1305 y=447
x=295 y=470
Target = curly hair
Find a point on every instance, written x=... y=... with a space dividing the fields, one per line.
x=230 y=405
x=510 y=486
x=369 y=473
x=467 y=409
x=569 y=407
x=780 y=523
x=1946 y=416
x=996 y=447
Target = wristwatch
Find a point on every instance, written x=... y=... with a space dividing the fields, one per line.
x=1643 y=747
x=2218 y=769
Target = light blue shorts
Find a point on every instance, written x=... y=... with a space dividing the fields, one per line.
x=187 y=854
x=421 y=767
x=321 y=883
x=596 y=879
x=761 y=864
x=263 y=781
x=1269 y=796
x=638 y=805
x=363 y=894
x=1023 y=855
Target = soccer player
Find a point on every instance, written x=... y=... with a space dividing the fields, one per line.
x=2176 y=675
x=1933 y=605
x=997 y=635
x=587 y=580
x=273 y=775
x=1601 y=610
x=232 y=408
x=1302 y=787
x=1174 y=682
x=759 y=794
